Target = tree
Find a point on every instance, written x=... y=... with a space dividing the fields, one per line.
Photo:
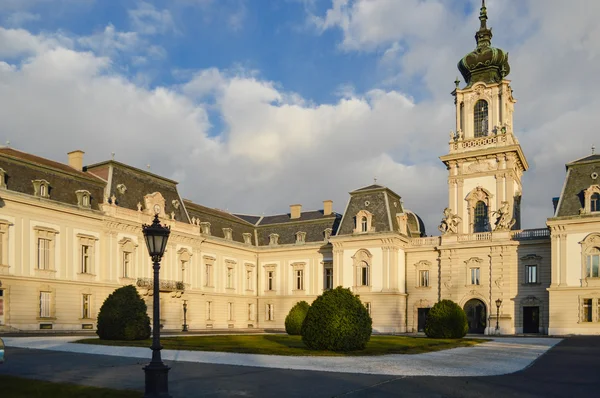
x=337 y=321
x=295 y=318
x=123 y=316
x=446 y=320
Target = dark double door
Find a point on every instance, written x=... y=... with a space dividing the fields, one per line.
x=422 y=318
x=476 y=316
x=531 y=319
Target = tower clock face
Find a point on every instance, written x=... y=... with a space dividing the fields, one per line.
x=156 y=209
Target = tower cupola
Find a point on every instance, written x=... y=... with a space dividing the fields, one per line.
x=484 y=64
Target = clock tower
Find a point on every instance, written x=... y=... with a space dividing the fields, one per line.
x=485 y=162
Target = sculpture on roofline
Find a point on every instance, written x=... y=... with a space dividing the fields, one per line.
x=504 y=220
x=449 y=223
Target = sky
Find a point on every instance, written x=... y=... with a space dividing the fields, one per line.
x=253 y=105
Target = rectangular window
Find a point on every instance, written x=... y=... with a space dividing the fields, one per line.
x=230 y=311
x=587 y=310
x=208 y=275
x=45 y=304
x=250 y=312
x=424 y=278
x=270 y=312
x=368 y=307
x=270 y=280
x=229 y=278
x=85 y=259
x=592 y=266
x=364 y=275
x=531 y=275
x=299 y=279
x=474 y=276
x=126 y=264
x=43 y=253
x=249 y=284
x=86 y=312
x=328 y=282
x=208 y=310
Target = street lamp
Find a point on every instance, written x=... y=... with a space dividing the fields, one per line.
x=498 y=304
x=157 y=373
x=185 y=326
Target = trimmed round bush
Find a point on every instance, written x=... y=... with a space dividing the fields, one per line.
x=295 y=318
x=446 y=320
x=337 y=321
x=123 y=316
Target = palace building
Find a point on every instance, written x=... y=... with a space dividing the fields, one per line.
x=71 y=234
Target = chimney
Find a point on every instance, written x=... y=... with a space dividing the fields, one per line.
x=327 y=207
x=76 y=159
x=295 y=211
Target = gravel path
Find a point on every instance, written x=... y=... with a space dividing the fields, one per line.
x=497 y=357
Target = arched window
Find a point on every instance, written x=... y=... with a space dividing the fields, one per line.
x=595 y=202
x=481 y=119
x=363 y=224
x=481 y=217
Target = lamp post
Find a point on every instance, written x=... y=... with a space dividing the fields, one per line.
x=157 y=373
x=185 y=326
x=498 y=304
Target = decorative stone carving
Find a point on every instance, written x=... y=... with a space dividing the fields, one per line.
x=175 y=204
x=450 y=222
x=228 y=233
x=499 y=282
x=139 y=206
x=481 y=166
x=448 y=283
x=273 y=239
x=154 y=203
x=402 y=219
x=327 y=233
x=423 y=264
x=300 y=238
x=121 y=188
x=504 y=220
x=474 y=262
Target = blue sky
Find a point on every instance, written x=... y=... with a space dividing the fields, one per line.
x=254 y=105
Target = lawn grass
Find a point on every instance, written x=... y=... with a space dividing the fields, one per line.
x=282 y=344
x=18 y=387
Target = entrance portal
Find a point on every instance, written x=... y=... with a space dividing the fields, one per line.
x=476 y=316
x=531 y=319
x=422 y=317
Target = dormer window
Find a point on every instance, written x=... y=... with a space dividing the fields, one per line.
x=481 y=119
x=273 y=239
x=205 y=228
x=227 y=233
x=592 y=199
x=364 y=222
x=595 y=202
x=2 y=178
x=247 y=238
x=83 y=198
x=41 y=188
x=300 y=238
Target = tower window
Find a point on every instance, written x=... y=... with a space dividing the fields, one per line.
x=481 y=217
x=363 y=224
x=481 y=119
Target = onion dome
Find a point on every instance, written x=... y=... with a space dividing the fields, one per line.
x=484 y=64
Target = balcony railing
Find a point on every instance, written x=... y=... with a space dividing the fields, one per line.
x=479 y=236
x=538 y=233
x=164 y=285
x=429 y=241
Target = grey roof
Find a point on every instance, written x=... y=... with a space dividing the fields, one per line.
x=578 y=179
x=22 y=168
x=251 y=219
x=380 y=201
x=218 y=220
x=284 y=218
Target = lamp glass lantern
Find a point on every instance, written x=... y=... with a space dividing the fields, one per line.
x=156 y=237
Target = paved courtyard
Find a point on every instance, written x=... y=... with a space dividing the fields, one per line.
x=566 y=369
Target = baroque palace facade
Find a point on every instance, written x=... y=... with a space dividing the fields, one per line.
x=70 y=235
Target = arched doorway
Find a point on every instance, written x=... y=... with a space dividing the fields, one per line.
x=476 y=316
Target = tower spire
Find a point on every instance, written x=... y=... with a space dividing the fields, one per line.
x=484 y=35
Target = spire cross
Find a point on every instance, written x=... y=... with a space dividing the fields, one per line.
x=375 y=180
x=593 y=149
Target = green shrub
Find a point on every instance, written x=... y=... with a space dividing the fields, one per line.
x=295 y=318
x=446 y=320
x=337 y=321
x=123 y=316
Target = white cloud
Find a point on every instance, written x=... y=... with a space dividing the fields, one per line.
x=147 y=20
x=110 y=41
x=20 y=18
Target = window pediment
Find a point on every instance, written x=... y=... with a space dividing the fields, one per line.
x=474 y=262
x=41 y=188
x=364 y=222
x=423 y=264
